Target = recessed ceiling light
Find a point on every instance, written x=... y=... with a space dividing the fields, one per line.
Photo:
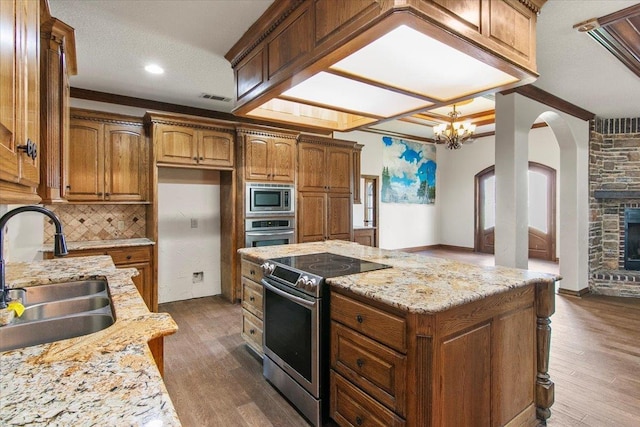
x=154 y=69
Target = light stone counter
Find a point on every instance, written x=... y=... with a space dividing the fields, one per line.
x=107 y=378
x=415 y=283
x=102 y=244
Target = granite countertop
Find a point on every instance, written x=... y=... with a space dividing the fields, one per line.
x=106 y=378
x=364 y=227
x=100 y=244
x=415 y=283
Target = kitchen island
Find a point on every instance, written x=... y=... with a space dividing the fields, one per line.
x=106 y=378
x=434 y=342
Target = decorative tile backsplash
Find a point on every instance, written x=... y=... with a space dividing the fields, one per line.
x=97 y=222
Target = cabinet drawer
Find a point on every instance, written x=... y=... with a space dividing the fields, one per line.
x=375 y=323
x=120 y=256
x=252 y=330
x=252 y=297
x=352 y=407
x=374 y=368
x=251 y=270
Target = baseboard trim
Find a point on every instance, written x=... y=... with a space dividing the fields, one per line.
x=439 y=246
x=568 y=292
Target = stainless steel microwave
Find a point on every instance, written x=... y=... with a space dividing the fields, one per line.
x=265 y=198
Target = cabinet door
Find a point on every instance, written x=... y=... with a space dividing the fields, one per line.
x=282 y=157
x=215 y=149
x=8 y=152
x=84 y=155
x=312 y=168
x=312 y=214
x=176 y=145
x=339 y=169
x=339 y=216
x=143 y=282
x=28 y=99
x=125 y=163
x=256 y=162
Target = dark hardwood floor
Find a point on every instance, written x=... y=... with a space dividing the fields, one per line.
x=214 y=380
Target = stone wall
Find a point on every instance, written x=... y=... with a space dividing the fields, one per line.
x=614 y=165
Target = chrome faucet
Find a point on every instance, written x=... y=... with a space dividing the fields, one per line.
x=59 y=249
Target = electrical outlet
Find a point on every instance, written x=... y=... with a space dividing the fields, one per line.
x=194 y=222
x=198 y=277
x=121 y=225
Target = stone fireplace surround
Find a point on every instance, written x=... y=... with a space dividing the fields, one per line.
x=614 y=184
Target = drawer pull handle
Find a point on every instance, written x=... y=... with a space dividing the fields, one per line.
x=252 y=272
x=252 y=331
x=252 y=298
x=359 y=318
x=359 y=421
x=360 y=363
x=128 y=256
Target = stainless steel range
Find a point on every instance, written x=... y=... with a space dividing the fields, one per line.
x=296 y=326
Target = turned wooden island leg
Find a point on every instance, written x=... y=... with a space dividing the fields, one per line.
x=545 y=307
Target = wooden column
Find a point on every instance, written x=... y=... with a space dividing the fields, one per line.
x=545 y=307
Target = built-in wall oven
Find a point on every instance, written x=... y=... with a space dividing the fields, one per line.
x=296 y=326
x=268 y=231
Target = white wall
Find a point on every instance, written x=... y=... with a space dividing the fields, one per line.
x=183 y=195
x=401 y=225
x=24 y=234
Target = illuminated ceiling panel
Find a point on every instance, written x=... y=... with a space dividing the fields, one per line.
x=410 y=60
x=344 y=94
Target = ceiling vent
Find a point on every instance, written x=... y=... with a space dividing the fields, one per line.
x=215 y=97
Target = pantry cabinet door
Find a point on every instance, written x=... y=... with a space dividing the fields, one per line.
x=339 y=169
x=312 y=214
x=339 y=223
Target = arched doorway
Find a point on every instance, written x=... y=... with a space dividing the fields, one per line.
x=542 y=211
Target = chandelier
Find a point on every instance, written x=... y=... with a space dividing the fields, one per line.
x=453 y=134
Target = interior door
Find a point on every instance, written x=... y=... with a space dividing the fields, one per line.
x=542 y=211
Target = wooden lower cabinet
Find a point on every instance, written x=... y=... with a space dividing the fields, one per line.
x=252 y=294
x=472 y=365
x=365 y=236
x=141 y=258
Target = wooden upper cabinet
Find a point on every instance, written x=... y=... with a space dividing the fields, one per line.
x=20 y=100
x=215 y=148
x=268 y=156
x=126 y=163
x=191 y=141
x=84 y=172
x=106 y=159
x=176 y=145
x=57 y=63
x=325 y=168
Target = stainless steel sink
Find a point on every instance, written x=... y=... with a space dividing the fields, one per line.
x=18 y=335
x=49 y=310
x=54 y=312
x=58 y=291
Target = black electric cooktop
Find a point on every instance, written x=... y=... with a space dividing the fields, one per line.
x=327 y=265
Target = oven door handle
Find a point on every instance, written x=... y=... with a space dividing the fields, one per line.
x=287 y=295
x=280 y=232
